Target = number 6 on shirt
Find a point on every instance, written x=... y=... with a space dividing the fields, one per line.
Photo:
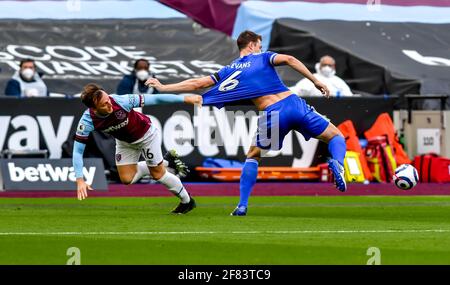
x=230 y=83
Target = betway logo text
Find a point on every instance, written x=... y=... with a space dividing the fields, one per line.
x=116 y=127
x=47 y=173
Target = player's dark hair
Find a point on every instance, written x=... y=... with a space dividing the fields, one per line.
x=139 y=60
x=25 y=61
x=247 y=37
x=90 y=95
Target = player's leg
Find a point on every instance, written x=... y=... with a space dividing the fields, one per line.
x=315 y=125
x=172 y=182
x=131 y=170
x=127 y=162
x=174 y=164
x=174 y=185
x=337 y=148
x=132 y=173
x=269 y=136
x=248 y=179
x=336 y=142
x=151 y=150
x=127 y=173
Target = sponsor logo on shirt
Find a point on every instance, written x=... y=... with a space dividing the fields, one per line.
x=116 y=127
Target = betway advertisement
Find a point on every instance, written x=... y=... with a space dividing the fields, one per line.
x=49 y=174
x=195 y=133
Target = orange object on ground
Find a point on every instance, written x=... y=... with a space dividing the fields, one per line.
x=264 y=173
x=351 y=139
x=384 y=126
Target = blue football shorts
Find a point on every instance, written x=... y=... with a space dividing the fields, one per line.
x=290 y=113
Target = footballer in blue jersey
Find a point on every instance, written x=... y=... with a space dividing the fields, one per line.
x=253 y=76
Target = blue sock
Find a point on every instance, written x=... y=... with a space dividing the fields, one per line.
x=337 y=148
x=248 y=180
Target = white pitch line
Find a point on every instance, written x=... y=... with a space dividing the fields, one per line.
x=222 y=233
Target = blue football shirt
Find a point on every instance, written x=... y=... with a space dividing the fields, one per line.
x=247 y=77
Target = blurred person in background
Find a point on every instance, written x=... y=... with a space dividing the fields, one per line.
x=326 y=73
x=26 y=82
x=134 y=83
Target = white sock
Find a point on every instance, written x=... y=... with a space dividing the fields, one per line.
x=173 y=183
x=142 y=170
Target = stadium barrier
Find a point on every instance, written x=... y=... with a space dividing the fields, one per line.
x=196 y=133
x=49 y=174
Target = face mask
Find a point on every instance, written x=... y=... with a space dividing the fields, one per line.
x=142 y=74
x=27 y=73
x=327 y=71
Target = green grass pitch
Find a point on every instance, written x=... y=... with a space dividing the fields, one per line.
x=278 y=230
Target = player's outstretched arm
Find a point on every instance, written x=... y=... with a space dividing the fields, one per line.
x=297 y=65
x=77 y=160
x=160 y=99
x=183 y=86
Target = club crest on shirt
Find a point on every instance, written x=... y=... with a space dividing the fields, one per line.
x=120 y=114
x=118 y=157
x=80 y=128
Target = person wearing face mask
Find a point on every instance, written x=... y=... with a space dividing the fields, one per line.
x=134 y=83
x=326 y=73
x=26 y=82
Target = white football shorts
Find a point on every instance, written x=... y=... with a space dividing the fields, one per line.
x=149 y=146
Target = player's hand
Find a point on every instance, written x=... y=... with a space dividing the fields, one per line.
x=194 y=99
x=323 y=88
x=153 y=82
x=82 y=188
